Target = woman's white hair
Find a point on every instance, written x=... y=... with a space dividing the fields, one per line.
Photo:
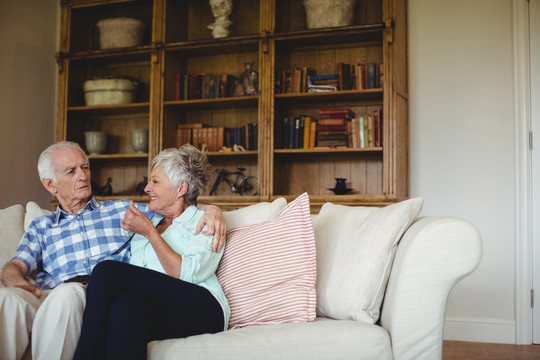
x=186 y=163
x=46 y=167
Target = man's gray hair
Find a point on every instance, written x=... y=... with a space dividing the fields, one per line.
x=46 y=167
x=186 y=163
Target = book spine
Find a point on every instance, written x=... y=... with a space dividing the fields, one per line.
x=307 y=129
x=361 y=129
x=371 y=75
x=354 y=131
x=312 y=134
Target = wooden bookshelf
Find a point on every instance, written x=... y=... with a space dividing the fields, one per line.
x=271 y=33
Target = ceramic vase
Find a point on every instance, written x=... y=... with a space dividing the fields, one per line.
x=139 y=140
x=96 y=142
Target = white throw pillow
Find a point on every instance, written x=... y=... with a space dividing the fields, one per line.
x=254 y=214
x=355 y=251
x=11 y=231
x=33 y=211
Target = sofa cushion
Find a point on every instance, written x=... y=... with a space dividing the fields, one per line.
x=254 y=214
x=268 y=270
x=355 y=250
x=319 y=339
x=33 y=211
x=11 y=231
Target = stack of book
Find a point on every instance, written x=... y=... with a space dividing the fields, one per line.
x=217 y=137
x=334 y=127
x=204 y=86
x=323 y=83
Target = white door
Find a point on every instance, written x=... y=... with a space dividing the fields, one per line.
x=534 y=23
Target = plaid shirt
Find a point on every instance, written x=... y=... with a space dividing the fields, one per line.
x=63 y=245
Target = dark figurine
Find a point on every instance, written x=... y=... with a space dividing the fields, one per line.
x=106 y=190
x=139 y=190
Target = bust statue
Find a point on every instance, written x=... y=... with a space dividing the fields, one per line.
x=221 y=9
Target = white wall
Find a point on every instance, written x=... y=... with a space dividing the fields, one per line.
x=462 y=147
x=28 y=39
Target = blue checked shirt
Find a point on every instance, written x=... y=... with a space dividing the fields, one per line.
x=61 y=245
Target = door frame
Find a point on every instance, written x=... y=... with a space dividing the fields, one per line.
x=523 y=176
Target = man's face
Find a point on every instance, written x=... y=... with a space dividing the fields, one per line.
x=72 y=176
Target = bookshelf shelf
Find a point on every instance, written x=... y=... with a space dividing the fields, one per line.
x=219 y=103
x=327 y=151
x=134 y=156
x=333 y=96
x=177 y=44
x=111 y=109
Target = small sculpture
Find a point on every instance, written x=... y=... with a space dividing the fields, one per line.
x=139 y=190
x=221 y=9
x=248 y=84
x=106 y=190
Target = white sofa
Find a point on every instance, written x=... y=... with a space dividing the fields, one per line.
x=433 y=254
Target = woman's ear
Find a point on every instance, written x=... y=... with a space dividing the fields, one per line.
x=183 y=188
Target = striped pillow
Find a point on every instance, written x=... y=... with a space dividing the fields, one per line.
x=268 y=270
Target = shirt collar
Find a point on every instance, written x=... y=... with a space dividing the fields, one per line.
x=92 y=204
x=184 y=218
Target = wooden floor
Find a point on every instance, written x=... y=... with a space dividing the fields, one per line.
x=459 y=350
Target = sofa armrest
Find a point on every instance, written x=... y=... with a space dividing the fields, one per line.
x=433 y=255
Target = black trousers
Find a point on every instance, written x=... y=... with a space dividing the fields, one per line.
x=128 y=306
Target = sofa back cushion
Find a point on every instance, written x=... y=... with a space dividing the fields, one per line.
x=355 y=251
x=268 y=269
x=254 y=214
x=11 y=231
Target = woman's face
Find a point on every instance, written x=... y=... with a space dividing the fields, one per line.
x=162 y=196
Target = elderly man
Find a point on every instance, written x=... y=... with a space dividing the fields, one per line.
x=63 y=248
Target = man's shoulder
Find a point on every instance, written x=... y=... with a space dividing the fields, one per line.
x=120 y=206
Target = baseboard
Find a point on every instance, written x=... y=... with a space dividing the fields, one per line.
x=480 y=330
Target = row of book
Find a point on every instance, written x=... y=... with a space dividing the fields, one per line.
x=215 y=138
x=333 y=128
x=204 y=86
x=347 y=77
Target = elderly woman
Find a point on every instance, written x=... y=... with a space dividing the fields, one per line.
x=169 y=289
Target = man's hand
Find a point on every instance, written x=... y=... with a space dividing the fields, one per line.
x=13 y=276
x=213 y=218
x=136 y=221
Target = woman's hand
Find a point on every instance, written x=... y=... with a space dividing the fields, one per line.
x=137 y=222
x=213 y=218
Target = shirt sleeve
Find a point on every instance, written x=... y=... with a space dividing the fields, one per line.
x=29 y=250
x=199 y=262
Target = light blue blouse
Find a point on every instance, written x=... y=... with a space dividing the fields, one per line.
x=199 y=262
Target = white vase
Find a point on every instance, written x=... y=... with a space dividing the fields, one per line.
x=96 y=142
x=139 y=140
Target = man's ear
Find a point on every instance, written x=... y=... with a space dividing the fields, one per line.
x=49 y=185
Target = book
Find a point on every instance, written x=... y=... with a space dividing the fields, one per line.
x=296 y=136
x=344 y=76
x=370 y=137
x=361 y=132
x=377 y=127
x=332 y=121
x=307 y=131
x=354 y=133
x=335 y=113
x=312 y=134
x=371 y=75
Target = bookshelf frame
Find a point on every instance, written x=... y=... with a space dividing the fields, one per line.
x=272 y=33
